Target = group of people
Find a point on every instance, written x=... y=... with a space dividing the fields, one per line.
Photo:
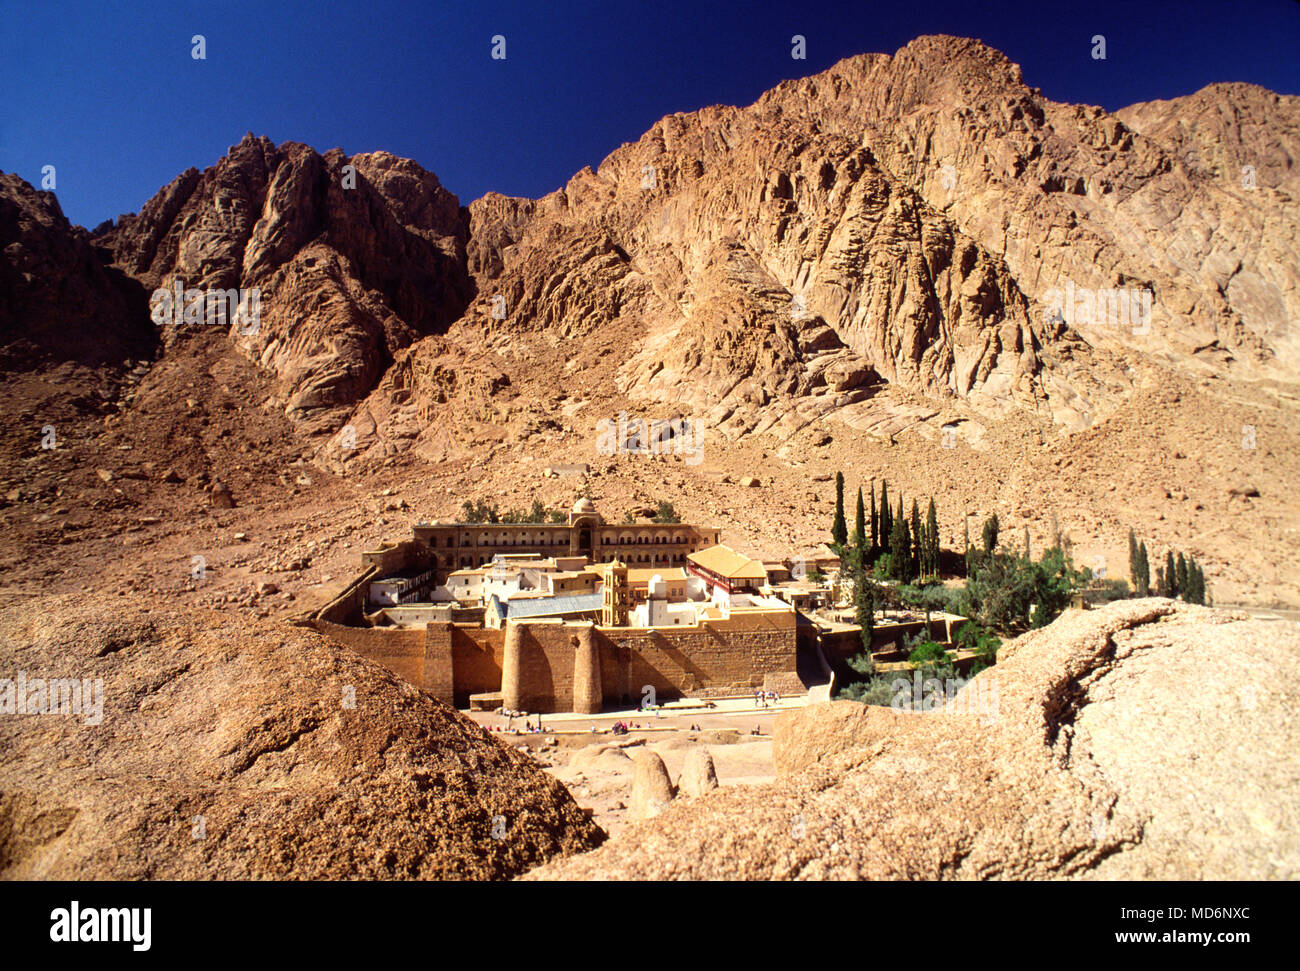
x=763 y=698
x=509 y=726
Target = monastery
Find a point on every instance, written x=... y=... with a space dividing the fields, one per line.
x=568 y=617
x=584 y=616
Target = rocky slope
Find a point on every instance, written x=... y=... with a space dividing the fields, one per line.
x=58 y=303
x=252 y=751
x=1076 y=756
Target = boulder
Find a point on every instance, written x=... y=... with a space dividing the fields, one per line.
x=698 y=775
x=219 y=496
x=652 y=790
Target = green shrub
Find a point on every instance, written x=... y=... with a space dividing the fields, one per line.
x=666 y=513
x=877 y=691
x=972 y=637
x=928 y=653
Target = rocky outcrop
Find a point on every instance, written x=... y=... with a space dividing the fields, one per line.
x=354 y=259
x=1073 y=194
x=1145 y=740
x=229 y=750
x=58 y=302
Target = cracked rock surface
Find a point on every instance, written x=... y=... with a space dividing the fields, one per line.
x=230 y=752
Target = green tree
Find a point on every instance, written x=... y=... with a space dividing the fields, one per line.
x=990 y=534
x=1143 y=583
x=859 y=526
x=932 y=540
x=666 y=513
x=1028 y=555
x=971 y=637
x=900 y=547
x=875 y=523
x=479 y=512
x=970 y=553
x=1171 y=575
x=1162 y=585
x=839 y=529
x=886 y=518
x=917 y=542
x=864 y=605
x=1181 y=568
x=1195 y=582
x=928 y=653
x=1012 y=594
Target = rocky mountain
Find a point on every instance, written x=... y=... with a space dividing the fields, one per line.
x=900 y=221
x=354 y=259
x=865 y=270
x=905 y=221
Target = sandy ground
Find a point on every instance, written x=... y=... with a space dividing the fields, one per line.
x=595 y=766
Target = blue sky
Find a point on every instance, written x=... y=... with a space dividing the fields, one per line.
x=108 y=93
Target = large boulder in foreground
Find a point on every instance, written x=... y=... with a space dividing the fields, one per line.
x=1145 y=740
x=232 y=750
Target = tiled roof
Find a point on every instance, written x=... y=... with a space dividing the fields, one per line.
x=726 y=562
x=646 y=574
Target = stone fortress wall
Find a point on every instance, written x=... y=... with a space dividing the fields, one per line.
x=548 y=666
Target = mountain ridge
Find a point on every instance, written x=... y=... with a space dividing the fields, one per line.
x=857 y=264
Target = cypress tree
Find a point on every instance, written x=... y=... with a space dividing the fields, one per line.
x=900 y=547
x=917 y=542
x=1133 y=560
x=875 y=522
x=932 y=540
x=905 y=556
x=1028 y=556
x=1162 y=586
x=1143 y=586
x=860 y=528
x=864 y=602
x=1171 y=575
x=991 y=533
x=886 y=520
x=970 y=553
x=839 y=529
x=1184 y=587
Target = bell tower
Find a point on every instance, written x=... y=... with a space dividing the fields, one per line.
x=617 y=599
